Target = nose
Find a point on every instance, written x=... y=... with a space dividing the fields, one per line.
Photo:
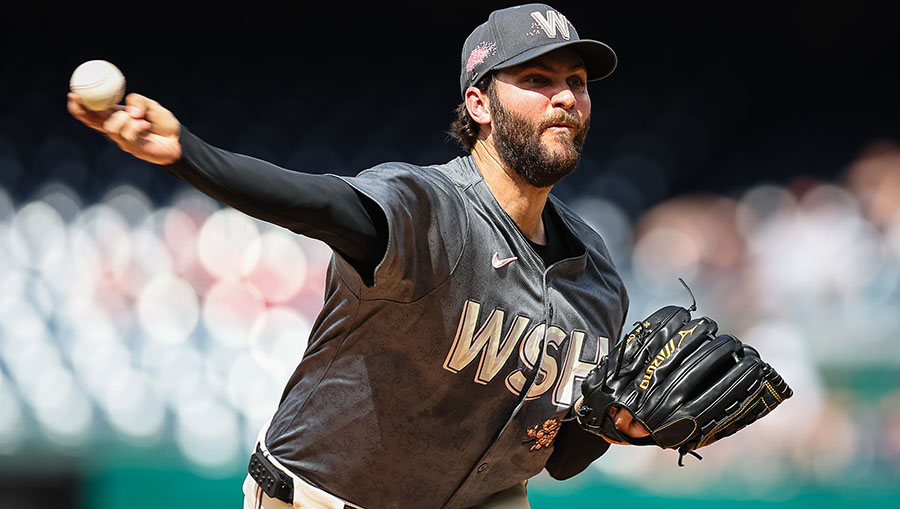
x=564 y=98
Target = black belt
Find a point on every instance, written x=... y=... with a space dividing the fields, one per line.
x=274 y=482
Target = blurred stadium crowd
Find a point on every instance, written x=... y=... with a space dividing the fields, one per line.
x=182 y=321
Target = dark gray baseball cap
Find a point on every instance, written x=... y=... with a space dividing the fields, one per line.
x=517 y=34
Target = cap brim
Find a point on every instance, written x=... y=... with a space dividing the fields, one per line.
x=599 y=59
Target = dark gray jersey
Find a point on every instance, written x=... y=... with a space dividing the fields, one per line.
x=423 y=389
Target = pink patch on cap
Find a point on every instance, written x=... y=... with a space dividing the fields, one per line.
x=478 y=55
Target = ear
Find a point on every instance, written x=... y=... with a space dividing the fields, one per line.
x=478 y=105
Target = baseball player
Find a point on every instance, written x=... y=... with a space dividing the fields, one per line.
x=464 y=303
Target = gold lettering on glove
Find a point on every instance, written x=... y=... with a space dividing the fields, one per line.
x=641 y=327
x=661 y=357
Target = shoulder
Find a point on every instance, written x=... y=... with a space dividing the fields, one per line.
x=413 y=183
x=416 y=195
x=454 y=172
x=427 y=220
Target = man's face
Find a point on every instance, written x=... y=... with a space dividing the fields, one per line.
x=540 y=116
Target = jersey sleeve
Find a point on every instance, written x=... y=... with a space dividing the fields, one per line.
x=322 y=207
x=574 y=450
x=426 y=220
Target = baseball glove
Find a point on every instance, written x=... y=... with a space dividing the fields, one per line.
x=687 y=385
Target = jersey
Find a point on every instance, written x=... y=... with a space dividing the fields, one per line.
x=442 y=380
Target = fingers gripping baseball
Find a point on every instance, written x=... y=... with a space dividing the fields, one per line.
x=90 y=118
x=142 y=127
x=146 y=130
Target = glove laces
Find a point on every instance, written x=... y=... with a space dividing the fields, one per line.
x=681 y=456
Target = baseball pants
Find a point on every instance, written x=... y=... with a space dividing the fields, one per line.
x=307 y=496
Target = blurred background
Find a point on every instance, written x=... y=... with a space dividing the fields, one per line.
x=146 y=331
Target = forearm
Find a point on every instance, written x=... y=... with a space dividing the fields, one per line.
x=319 y=206
x=573 y=451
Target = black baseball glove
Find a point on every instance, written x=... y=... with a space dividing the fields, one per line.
x=688 y=386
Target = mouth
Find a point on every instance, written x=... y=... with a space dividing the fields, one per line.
x=561 y=127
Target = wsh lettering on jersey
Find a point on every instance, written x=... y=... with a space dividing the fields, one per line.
x=488 y=343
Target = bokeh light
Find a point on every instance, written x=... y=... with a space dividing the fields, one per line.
x=102 y=241
x=11 y=420
x=168 y=309
x=230 y=309
x=208 y=433
x=280 y=270
x=227 y=245
x=62 y=409
x=134 y=407
x=253 y=390
x=278 y=340
x=38 y=236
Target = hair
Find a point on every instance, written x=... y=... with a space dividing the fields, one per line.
x=464 y=129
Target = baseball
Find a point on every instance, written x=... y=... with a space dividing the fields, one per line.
x=98 y=84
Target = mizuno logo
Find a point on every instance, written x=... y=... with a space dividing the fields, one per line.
x=684 y=333
x=496 y=262
x=664 y=355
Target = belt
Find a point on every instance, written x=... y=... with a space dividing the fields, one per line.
x=274 y=482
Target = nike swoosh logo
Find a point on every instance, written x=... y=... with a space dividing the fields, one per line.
x=496 y=262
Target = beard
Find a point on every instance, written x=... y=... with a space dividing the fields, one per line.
x=518 y=143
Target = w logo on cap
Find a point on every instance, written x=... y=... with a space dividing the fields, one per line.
x=553 y=21
x=513 y=35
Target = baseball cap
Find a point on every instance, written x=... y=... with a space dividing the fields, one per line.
x=514 y=35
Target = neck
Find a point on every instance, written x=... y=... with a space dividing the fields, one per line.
x=523 y=202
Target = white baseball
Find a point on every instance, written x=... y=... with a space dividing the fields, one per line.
x=98 y=84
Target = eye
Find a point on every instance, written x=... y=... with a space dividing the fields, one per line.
x=537 y=79
x=577 y=82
